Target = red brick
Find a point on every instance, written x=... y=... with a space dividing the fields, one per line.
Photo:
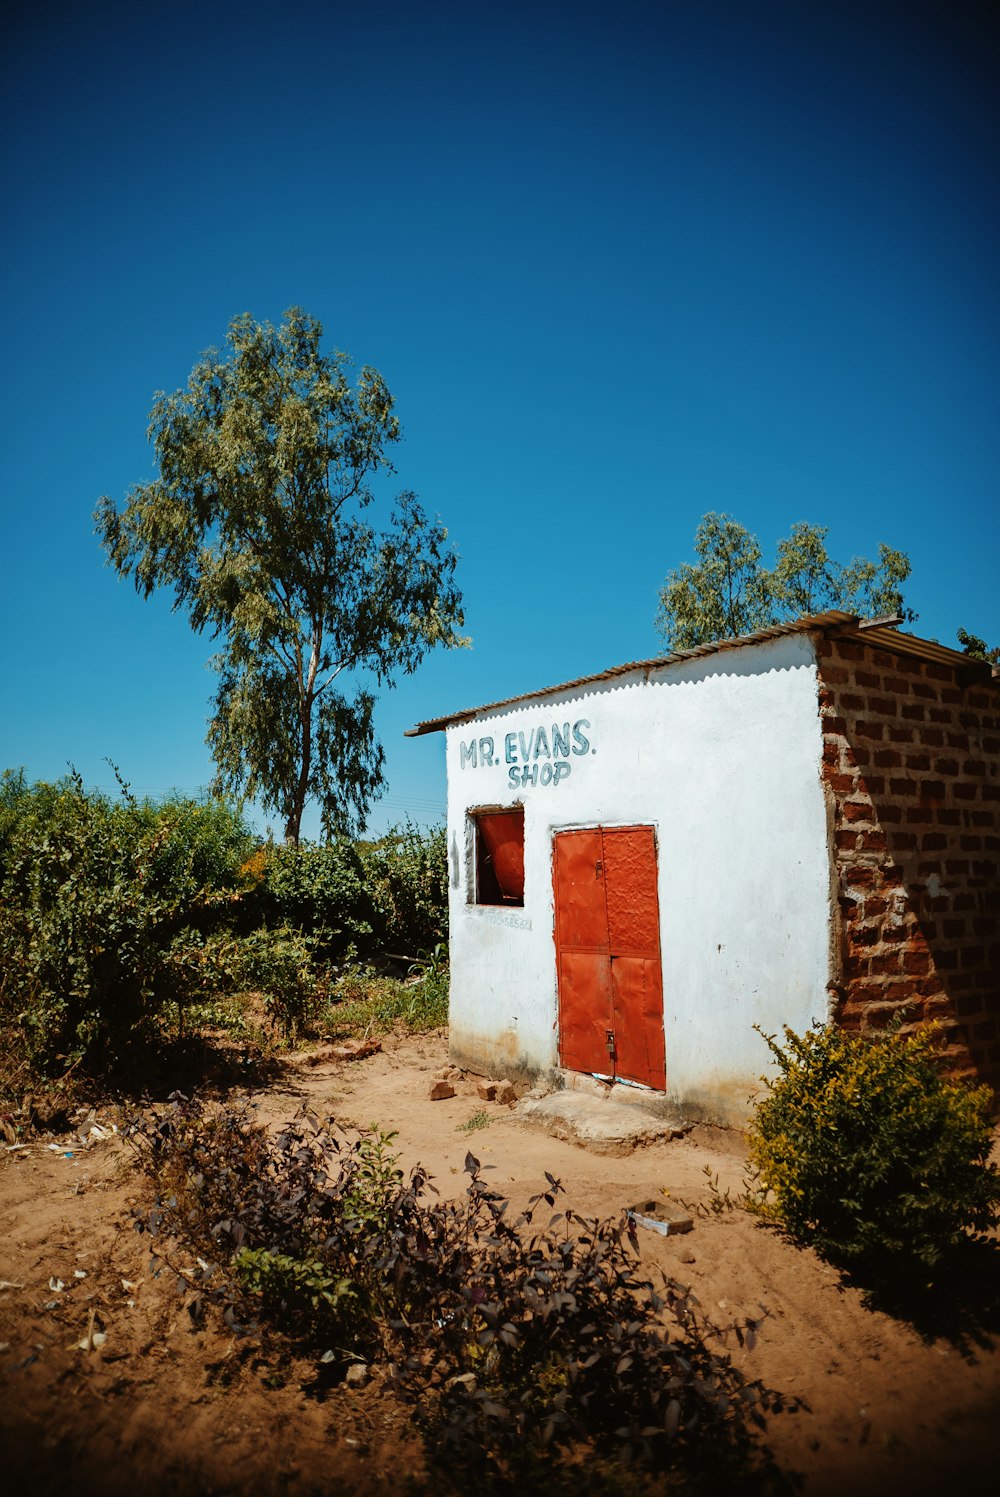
x=972 y=766
x=857 y=810
x=903 y=787
x=925 y=692
x=885 y=965
x=933 y=842
x=964 y=792
x=898 y=684
x=850 y=701
x=868 y=678
x=842 y=784
x=899 y=733
x=937 y=672
x=946 y=766
x=932 y=790
x=884 y=706
x=938 y=715
x=933 y=737
x=834 y=673
x=913 y=712
x=873 y=841
x=887 y=758
x=918 y=762
x=870 y=730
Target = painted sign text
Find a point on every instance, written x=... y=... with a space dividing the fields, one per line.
x=532 y=756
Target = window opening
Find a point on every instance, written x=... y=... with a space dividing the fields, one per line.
x=499 y=857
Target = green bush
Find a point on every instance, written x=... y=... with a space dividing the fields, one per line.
x=301 y=1295
x=865 y=1150
x=406 y=873
x=280 y=965
x=319 y=890
x=108 y=912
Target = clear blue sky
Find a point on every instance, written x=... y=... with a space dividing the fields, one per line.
x=620 y=265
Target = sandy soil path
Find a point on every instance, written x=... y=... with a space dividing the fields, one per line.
x=163 y=1407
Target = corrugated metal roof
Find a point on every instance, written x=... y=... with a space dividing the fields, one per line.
x=834 y=622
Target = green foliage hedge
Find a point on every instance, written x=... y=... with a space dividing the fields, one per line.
x=406 y=872
x=318 y=890
x=868 y=1152
x=109 y=911
x=116 y=913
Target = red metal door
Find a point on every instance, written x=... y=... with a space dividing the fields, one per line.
x=583 y=954
x=608 y=954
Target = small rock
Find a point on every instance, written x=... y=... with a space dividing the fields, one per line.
x=356 y=1375
x=487 y=1090
x=686 y=1256
x=505 y=1093
x=465 y=1380
x=346 y=1050
x=440 y=1090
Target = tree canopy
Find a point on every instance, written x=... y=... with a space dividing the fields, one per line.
x=259 y=523
x=728 y=592
x=977 y=648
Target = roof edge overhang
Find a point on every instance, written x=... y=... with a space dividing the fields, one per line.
x=880 y=634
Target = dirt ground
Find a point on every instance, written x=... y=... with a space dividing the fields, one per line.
x=160 y=1406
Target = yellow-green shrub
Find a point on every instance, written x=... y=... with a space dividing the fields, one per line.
x=868 y=1152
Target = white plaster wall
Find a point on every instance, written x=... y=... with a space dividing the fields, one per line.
x=722 y=756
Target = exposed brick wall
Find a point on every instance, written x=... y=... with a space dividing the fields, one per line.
x=911 y=761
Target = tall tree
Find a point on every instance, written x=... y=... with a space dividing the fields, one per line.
x=723 y=595
x=728 y=592
x=259 y=524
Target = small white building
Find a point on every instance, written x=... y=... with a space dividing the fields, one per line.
x=647 y=863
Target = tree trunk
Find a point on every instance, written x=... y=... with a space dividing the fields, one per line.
x=293 y=823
